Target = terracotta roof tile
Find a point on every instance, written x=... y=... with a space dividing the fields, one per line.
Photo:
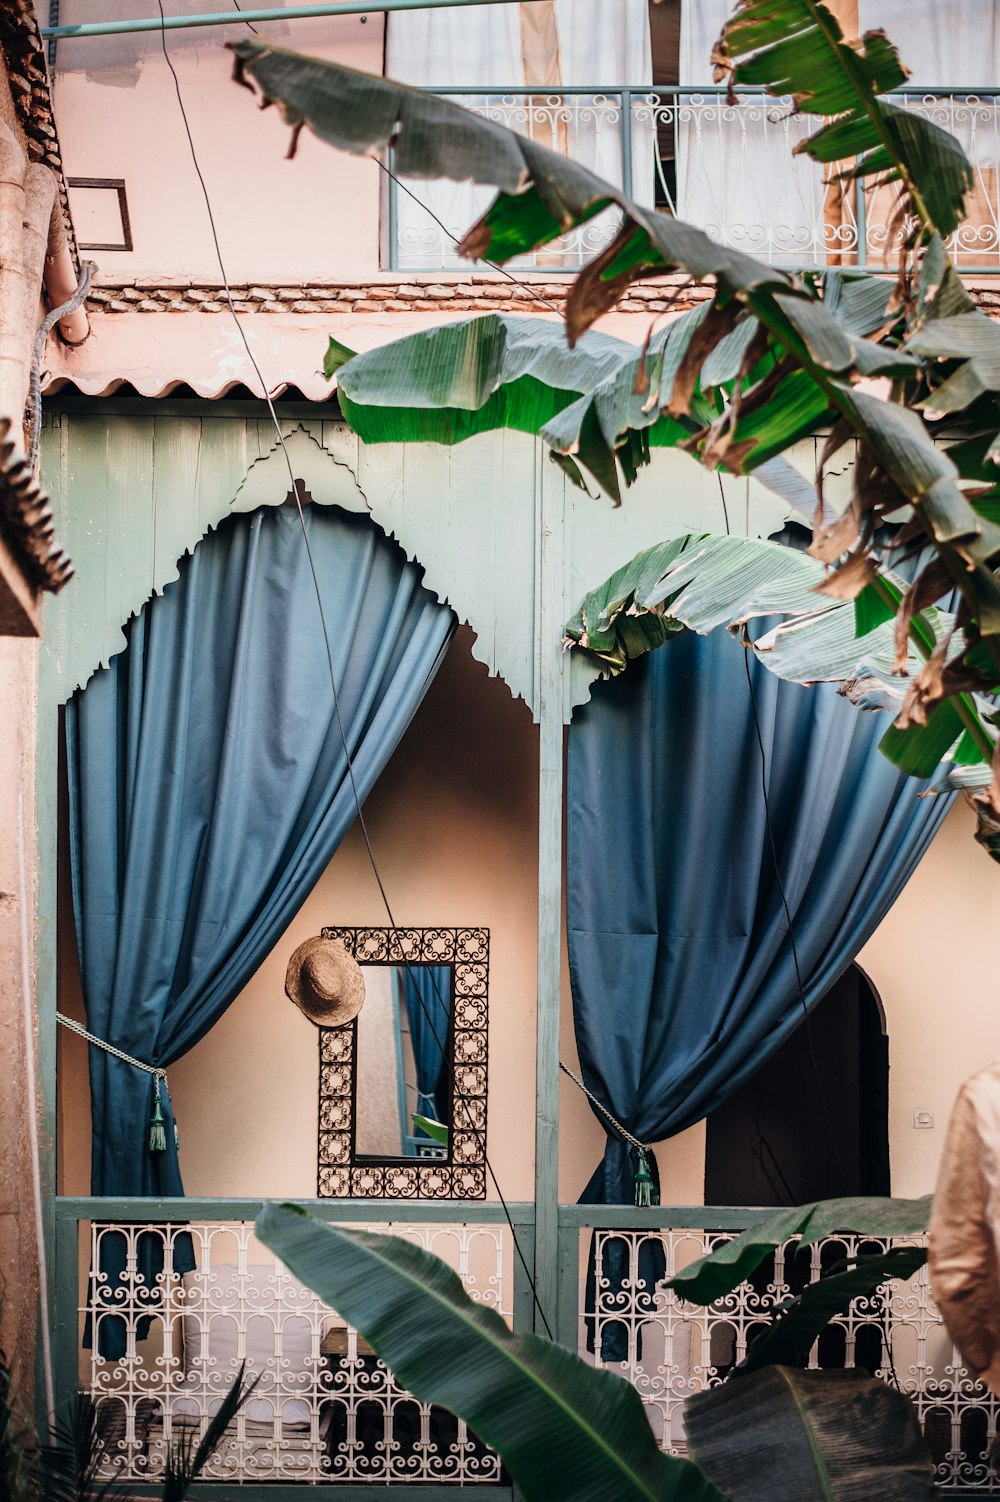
x=26 y=517
x=27 y=68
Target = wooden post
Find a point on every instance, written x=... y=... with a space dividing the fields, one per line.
x=551 y=668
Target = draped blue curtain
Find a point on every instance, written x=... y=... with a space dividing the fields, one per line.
x=682 y=973
x=428 y=1007
x=209 y=788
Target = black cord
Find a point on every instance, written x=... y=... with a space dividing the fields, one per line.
x=535 y=296
x=246 y=23
x=784 y=900
x=472 y=1126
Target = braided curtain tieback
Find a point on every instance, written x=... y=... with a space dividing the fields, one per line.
x=157 y=1121
x=646 y=1192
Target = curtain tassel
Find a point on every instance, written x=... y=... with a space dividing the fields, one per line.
x=157 y=1124
x=646 y=1192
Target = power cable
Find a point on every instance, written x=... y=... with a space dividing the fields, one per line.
x=472 y=1125
x=643 y=1148
x=535 y=296
x=784 y=899
x=246 y=23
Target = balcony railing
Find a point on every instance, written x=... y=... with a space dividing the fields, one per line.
x=327 y=1412
x=726 y=167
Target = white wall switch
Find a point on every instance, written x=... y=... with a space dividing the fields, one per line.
x=923 y=1118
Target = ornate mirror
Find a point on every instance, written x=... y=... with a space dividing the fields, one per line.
x=402 y=1088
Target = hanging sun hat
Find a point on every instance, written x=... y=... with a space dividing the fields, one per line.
x=325 y=982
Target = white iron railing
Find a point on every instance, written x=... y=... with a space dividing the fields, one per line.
x=728 y=167
x=671 y=1349
x=326 y=1412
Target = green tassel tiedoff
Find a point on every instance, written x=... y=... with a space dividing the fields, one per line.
x=646 y=1192
x=157 y=1122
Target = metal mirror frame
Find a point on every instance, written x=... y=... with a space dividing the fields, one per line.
x=462 y=1175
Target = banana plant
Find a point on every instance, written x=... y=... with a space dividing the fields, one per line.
x=698 y=582
x=771 y=355
x=570 y=1432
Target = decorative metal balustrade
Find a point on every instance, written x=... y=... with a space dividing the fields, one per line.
x=670 y=1349
x=325 y=1409
x=326 y=1412
x=728 y=167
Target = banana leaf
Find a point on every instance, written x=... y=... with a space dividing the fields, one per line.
x=713 y=1276
x=797 y=48
x=567 y=1432
x=444 y=384
x=699 y=582
x=781 y=1435
x=785 y=46
x=972 y=338
x=434 y=1129
x=544 y=193
x=792 y=1336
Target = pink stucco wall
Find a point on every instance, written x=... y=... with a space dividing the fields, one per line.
x=117 y=114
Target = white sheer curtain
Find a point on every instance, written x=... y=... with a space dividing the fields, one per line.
x=736 y=176
x=476 y=44
x=581 y=42
x=955 y=46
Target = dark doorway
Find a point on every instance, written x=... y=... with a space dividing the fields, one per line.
x=770 y=1144
x=665 y=37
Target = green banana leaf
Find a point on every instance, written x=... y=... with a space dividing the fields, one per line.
x=798 y=357
x=568 y=1432
x=781 y=1435
x=444 y=384
x=972 y=338
x=792 y=1336
x=699 y=582
x=718 y=1273
x=543 y=194
x=434 y=1129
x=797 y=48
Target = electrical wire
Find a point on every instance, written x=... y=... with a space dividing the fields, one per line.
x=534 y=295
x=472 y=1125
x=821 y=1095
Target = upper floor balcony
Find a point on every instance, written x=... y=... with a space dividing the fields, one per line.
x=324 y=219
x=728 y=166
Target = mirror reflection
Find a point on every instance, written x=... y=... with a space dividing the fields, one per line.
x=403 y=1033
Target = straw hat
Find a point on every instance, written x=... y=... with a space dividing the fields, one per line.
x=325 y=982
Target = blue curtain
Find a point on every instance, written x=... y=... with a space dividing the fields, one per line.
x=428 y=1007
x=682 y=972
x=208 y=789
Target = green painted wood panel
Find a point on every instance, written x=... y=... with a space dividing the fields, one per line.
x=134 y=493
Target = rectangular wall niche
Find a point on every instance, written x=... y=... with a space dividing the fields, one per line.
x=384 y=1155
x=100 y=212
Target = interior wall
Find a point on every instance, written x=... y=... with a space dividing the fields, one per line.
x=927 y=963
x=453 y=821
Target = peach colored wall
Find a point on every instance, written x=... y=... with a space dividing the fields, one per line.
x=18 y=863
x=117 y=117
x=928 y=963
